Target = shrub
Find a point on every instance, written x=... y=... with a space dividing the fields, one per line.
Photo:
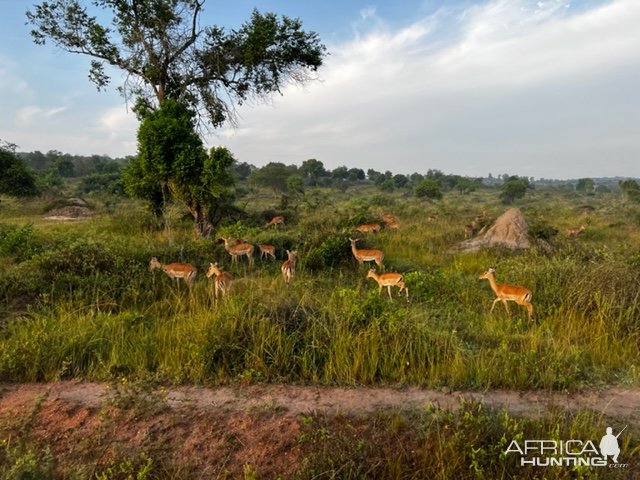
x=332 y=252
x=19 y=242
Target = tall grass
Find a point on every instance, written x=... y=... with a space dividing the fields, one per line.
x=79 y=302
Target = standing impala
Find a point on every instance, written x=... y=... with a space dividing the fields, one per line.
x=222 y=282
x=186 y=271
x=267 y=250
x=389 y=280
x=504 y=293
x=238 y=249
x=574 y=232
x=288 y=268
x=366 y=255
x=277 y=220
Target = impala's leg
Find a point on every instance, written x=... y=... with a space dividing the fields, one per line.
x=494 y=304
x=389 y=292
x=528 y=306
x=506 y=307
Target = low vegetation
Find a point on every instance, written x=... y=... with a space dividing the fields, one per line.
x=78 y=300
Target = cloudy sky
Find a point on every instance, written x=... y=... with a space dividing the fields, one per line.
x=538 y=88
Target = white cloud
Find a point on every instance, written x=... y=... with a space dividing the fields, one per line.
x=29 y=115
x=525 y=87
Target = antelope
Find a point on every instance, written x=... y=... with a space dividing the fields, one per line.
x=277 y=220
x=222 y=282
x=186 y=271
x=368 y=227
x=288 y=268
x=267 y=250
x=469 y=231
x=389 y=280
x=574 y=232
x=504 y=293
x=391 y=221
x=238 y=249
x=366 y=255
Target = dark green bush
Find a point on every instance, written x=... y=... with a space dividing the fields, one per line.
x=332 y=252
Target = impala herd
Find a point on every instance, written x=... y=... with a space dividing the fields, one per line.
x=240 y=247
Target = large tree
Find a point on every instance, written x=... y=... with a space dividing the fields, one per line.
x=173 y=163
x=167 y=57
x=165 y=53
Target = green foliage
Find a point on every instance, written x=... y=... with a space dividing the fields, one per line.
x=20 y=243
x=77 y=300
x=138 y=469
x=173 y=162
x=110 y=183
x=15 y=178
x=20 y=462
x=273 y=175
x=513 y=188
x=331 y=252
x=427 y=189
x=585 y=185
x=466 y=185
x=630 y=190
x=165 y=57
x=469 y=442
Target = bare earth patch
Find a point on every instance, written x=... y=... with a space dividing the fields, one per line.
x=224 y=429
x=70 y=212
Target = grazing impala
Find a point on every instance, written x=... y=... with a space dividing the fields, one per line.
x=288 y=268
x=222 y=282
x=277 y=220
x=267 y=250
x=186 y=271
x=504 y=293
x=366 y=255
x=574 y=232
x=389 y=280
x=368 y=227
x=238 y=249
x=391 y=221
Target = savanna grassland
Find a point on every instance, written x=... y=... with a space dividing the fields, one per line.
x=78 y=302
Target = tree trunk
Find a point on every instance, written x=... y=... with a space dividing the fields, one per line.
x=203 y=226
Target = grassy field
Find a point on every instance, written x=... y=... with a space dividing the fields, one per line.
x=77 y=300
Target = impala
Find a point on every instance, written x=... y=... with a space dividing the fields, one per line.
x=574 y=232
x=469 y=230
x=504 y=293
x=267 y=250
x=277 y=220
x=366 y=255
x=222 y=282
x=368 y=227
x=288 y=268
x=186 y=271
x=238 y=249
x=389 y=280
x=390 y=220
